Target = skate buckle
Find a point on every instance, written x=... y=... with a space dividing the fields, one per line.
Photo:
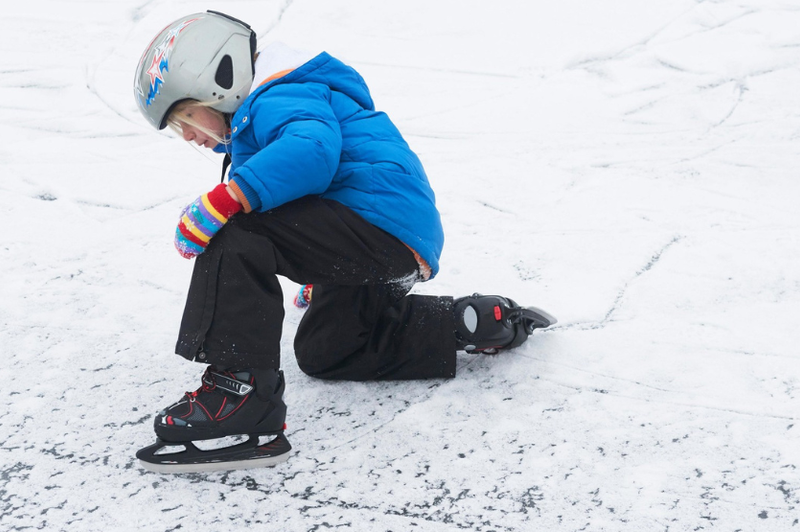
x=233 y=386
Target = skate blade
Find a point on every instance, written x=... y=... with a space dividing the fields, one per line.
x=541 y=318
x=189 y=458
x=213 y=467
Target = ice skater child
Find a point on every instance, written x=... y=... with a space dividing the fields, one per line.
x=323 y=190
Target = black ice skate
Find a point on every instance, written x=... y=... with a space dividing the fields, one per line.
x=243 y=404
x=487 y=324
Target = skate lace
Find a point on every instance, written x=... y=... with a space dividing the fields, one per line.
x=205 y=387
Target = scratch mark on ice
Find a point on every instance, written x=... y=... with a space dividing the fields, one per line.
x=647 y=267
x=621 y=295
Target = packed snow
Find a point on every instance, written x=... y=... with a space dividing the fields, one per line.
x=631 y=167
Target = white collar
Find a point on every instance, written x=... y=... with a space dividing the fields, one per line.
x=277 y=57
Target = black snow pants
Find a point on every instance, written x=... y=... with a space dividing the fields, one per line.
x=361 y=324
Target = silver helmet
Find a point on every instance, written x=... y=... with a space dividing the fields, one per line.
x=206 y=57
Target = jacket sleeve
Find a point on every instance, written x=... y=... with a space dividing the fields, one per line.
x=297 y=144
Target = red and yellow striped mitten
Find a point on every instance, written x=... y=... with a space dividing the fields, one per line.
x=202 y=219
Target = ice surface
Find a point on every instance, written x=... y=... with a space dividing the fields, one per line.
x=629 y=166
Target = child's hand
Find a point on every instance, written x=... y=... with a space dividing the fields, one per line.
x=202 y=219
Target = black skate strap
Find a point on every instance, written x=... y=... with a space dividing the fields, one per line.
x=532 y=318
x=228 y=384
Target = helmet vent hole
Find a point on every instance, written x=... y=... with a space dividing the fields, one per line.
x=224 y=75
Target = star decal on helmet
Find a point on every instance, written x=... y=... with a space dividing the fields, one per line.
x=160 y=62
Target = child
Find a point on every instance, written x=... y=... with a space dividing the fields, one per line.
x=322 y=190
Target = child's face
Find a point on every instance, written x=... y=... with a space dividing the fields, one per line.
x=207 y=121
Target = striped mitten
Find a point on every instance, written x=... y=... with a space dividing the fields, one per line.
x=202 y=219
x=303 y=297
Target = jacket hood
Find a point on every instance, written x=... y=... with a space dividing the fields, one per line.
x=326 y=70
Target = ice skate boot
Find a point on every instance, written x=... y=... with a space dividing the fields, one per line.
x=487 y=324
x=194 y=434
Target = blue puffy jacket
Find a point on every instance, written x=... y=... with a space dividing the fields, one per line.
x=315 y=131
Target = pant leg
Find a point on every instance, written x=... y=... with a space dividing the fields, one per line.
x=374 y=332
x=234 y=310
x=233 y=316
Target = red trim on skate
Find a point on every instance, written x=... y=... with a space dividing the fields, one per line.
x=222 y=407
x=205 y=410
x=498 y=313
x=235 y=409
x=246 y=397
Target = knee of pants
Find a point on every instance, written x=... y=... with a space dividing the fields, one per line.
x=308 y=359
x=310 y=368
x=329 y=348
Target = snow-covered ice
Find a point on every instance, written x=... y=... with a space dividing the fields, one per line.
x=631 y=167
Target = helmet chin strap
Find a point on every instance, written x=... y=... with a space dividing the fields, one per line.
x=226 y=162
